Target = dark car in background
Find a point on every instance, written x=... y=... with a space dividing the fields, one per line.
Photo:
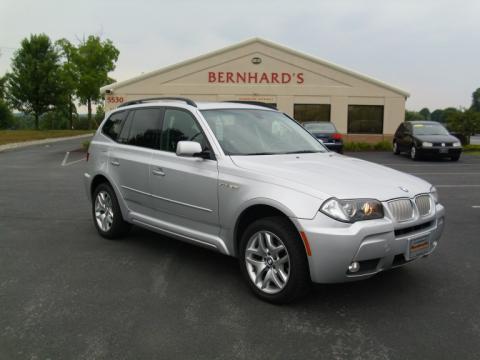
x=327 y=133
x=426 y=138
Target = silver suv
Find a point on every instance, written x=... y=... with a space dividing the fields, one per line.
x=250 y=182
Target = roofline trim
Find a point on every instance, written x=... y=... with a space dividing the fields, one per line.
x=248 y=42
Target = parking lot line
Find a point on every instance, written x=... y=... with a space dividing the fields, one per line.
x=65 y=163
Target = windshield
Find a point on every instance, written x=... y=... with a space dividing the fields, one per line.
x=429 y=129
x=320 y=127
x=259 y=132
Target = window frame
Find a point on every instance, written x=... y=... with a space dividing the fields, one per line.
x=314 y=120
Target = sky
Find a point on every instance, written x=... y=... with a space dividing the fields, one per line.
x=429 y=48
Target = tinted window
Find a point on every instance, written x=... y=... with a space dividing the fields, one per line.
x=311 y=112
x=113 y=125
x=365 y=119
x=144 y=128
x=178 y=126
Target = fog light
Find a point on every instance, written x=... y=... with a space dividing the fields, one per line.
x=354 y=267
x=434 y=244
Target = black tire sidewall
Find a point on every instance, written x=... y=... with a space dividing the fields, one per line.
x=299 y=278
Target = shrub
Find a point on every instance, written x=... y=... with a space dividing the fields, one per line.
x=364 y=146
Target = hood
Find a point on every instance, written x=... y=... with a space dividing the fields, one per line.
x=436 y=138
x=324 y=175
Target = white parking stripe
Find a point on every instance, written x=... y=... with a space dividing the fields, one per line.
x=65 y=163
x=476 y=206
x=67 y=154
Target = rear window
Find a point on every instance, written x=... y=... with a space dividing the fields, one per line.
x=143 y=128
x=320 y=127
x=113 y=125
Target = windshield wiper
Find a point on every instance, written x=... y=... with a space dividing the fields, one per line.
x=261 y=153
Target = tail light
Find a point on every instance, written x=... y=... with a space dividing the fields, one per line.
x=337 y=136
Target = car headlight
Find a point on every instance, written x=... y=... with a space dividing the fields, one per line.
x=352 y=210
x=434 y=193
x=457 y=144
x=427 y=144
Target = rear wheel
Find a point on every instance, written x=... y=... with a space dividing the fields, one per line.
x=106 y=212
x=395 y=148
x=273 y=260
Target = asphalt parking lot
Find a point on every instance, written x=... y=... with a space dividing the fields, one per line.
x=65 y=293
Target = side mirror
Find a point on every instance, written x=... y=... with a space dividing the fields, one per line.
x=188 y=148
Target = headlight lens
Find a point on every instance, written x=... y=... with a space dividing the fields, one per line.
x=352 y=210
x=457 y=144
x=434 y=193
x=427 y=144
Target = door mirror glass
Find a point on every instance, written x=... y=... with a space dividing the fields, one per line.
x=188 y=148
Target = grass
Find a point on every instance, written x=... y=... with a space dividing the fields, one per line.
x=14 y=136
x=471 y=148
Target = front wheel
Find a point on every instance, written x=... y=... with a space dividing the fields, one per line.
x=273 y=260
x=455 y=157
x=395 y=148
x=414 y=153
x=106 y=212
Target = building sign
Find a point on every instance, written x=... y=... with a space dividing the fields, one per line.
x=227 y=77
x=114 y=99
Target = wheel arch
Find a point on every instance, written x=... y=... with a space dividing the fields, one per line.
x=252 y=213
x=102 y=178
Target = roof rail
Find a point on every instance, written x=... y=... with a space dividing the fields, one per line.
x=257 y=103
x=141 y=101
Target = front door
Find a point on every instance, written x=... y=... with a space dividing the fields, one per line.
x=184 y=189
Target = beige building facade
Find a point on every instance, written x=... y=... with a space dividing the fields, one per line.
x=307 y=88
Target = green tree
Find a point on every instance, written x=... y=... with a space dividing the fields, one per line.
x=412 y=115
x=437 y=115
x=94 y=59
x=3 y=81
x=99 y=113
x=476 y=100
x=6 y=116
x=69 y=79
x=425 y=112
x=464 y=122
x=33 y=86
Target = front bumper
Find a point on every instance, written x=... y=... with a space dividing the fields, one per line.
x=440 y=151
x=376 y=245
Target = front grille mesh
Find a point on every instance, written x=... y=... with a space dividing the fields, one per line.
x=423 y=204
x=401 y=209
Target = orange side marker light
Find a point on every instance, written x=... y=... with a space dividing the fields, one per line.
x=306 y=243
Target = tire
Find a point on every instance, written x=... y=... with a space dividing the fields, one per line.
x=104 y=201
x=395 y=148
x=283 y=274
x=455 y=157
x=414 y=153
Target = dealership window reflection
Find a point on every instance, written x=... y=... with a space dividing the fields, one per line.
x=365 y=119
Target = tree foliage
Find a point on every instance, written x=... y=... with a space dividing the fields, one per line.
x=93 y=60
x=425 y=112
x=476 y=100
x=464 y=122
x=34 y=86
x=6 y=116
x=69 y=79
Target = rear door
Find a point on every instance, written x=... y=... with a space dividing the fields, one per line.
x=184 y=189
x=129 y=159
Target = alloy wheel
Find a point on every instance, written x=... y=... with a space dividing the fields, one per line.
x=268 y=262
x=104 y=211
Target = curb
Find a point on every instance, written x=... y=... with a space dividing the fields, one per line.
x=23 y=144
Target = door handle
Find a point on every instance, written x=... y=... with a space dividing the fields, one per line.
x=115 y=163
x=158 y=172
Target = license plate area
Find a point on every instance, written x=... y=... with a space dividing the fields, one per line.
x=443 y=151
x=418 y=247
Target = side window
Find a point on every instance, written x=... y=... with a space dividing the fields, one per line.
x=143 y=126
x=179 y=125
x=113 y=125
x=400 y=130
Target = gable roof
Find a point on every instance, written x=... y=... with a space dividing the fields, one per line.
x=264 y=42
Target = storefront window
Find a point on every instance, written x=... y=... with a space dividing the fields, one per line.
x=311 y=112
x=365 y=119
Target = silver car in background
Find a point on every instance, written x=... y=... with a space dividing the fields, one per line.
x=250 y=182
